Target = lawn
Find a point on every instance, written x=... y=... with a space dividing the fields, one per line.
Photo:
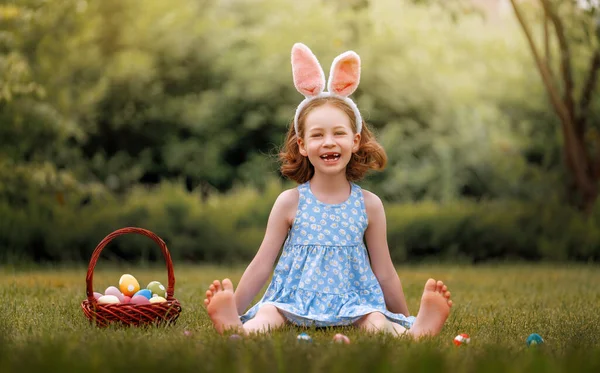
x=42 y=327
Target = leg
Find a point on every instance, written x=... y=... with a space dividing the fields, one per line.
x=221 y=307
x=267 y=318
x=376 y=322
x=433 y=311
x=399 y=330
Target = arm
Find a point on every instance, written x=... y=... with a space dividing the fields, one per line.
x=258 y=271
x=381 y=262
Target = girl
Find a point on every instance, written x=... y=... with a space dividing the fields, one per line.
x=325 y=275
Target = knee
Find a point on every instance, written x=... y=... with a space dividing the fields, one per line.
x=375 y=320
x=268 y=310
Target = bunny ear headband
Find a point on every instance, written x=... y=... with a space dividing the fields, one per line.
x=309 y=79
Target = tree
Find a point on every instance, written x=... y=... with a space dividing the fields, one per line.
x=581 y=143
x=33 y=131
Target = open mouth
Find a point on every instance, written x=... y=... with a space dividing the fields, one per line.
x=330 y=157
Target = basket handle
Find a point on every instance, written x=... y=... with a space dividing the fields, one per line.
x=119 y=232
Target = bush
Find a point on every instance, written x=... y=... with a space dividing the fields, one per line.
x=465 y=230
x=228 y=228
x=225 y=228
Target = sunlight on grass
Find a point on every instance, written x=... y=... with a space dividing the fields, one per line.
x=43 y=327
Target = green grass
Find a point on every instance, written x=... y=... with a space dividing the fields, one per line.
x=42 y=327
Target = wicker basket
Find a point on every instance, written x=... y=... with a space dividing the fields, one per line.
x=131 y=314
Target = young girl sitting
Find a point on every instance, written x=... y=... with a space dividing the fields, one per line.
x=325 y=275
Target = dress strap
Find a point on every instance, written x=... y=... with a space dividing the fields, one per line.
x=357 y=193
x=303 y=194
x=303 y=189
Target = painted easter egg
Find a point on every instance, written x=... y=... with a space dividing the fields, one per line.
x=97 y=295
x=462 y=339
x=126 y=299
x=340 y=338
x=303 y=337
x=128 y=285
x=139 y=299
x=534 y=339
x=112 y=290
x=108 y=299
x=144 y=293
x=157 y=299
x=157 y=288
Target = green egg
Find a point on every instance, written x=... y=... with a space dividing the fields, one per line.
x=157 y=288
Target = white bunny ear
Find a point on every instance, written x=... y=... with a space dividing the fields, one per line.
x=345 y=74
x=309 y=78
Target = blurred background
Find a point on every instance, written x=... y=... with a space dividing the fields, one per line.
x=168 y=115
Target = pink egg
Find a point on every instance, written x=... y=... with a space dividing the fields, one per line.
x=97 y=295
x=340 y=338
x=126 y=299
x=139 y=299
x=112 y=290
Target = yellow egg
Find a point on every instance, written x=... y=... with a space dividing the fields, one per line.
x=128 y=285
x=157 y=299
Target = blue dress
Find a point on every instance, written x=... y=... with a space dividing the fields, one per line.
x=323 y=276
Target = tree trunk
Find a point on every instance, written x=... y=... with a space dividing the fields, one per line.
x=580 y=164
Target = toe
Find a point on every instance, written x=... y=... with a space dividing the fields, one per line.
x=206 y=302
x=430 y=285
x=444 y=289
x=209 y=294
x=217 y=285
x=449 y=303
x=212 y=288
x=447 y=295
x=439 y=286
x=227 y=285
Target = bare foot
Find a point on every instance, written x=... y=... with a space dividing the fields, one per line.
x=433 y=311
x=221 y=306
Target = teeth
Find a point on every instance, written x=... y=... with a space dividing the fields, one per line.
x=330 y=156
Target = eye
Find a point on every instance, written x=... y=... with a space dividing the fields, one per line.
x=339 y=133
x=316 y=135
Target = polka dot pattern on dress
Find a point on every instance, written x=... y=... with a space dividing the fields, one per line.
x=323 y=276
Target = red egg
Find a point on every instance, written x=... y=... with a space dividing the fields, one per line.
x=462 y=339
x=126 y=299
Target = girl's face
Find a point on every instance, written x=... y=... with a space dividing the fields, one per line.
x=328 y=140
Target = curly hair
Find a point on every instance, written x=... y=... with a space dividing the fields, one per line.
x=370 y=154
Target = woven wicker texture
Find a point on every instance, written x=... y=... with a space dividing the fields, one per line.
x=131 y=314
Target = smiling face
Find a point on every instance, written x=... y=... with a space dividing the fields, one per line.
x=328 y=140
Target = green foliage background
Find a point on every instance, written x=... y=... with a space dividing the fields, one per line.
x=117 y=112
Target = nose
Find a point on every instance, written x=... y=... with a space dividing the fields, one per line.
x=328 y=141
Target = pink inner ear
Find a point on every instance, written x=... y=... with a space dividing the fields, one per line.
x=308 y=75
x=345 y=74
